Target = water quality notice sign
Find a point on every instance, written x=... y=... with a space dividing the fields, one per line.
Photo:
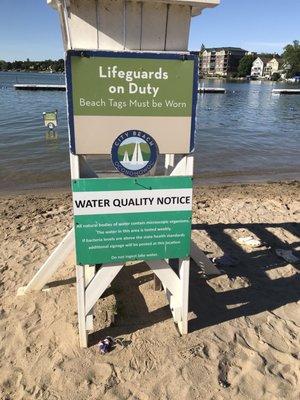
x=119 y=220
x=113 y=92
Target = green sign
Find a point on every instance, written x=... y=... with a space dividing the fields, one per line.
x=132 y=86
x=50 y=119
x=127 y=219
x=110 y=93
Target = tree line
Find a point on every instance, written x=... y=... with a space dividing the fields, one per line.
x=34 y=66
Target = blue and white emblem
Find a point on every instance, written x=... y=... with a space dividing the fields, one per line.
x=134 y=153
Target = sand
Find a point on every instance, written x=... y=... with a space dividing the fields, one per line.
x=244 y=325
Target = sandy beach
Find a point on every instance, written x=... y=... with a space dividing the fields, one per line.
x=244 y=324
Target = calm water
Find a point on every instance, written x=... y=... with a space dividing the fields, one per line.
x=247 y=134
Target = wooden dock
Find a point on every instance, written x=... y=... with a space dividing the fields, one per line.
x=32 y=86
x=286 y=91
x=211 y=90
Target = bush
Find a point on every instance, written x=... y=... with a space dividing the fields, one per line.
x=276 y=76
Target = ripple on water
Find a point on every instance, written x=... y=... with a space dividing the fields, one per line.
x=247 y=133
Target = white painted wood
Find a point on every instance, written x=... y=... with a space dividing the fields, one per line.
x=190 y=165
x=61 y=252
x=133 y=25
x=82 y=22
x=178 y=27
x=175 y=306
x=100 y=282
x=180 y=168
x=103 y=24
x=63 y=17
x=165 y=273
x=198 y=5
x=154 y=20
x=169 y=163
x=74 y=166
x=111 y=28
x=53 y=262
x=89 y=273
x=202 y=261
x=184 y=275
x=184 y=167
x=80 y=286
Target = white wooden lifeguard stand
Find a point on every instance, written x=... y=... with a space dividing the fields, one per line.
x=121 y=25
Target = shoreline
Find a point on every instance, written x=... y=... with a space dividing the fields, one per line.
x=198 y=184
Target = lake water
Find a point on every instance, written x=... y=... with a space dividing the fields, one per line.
x=245 y=135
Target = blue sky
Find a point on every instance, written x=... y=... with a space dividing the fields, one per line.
x=30 y=28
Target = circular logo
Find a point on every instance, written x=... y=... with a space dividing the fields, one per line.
x=134 y=153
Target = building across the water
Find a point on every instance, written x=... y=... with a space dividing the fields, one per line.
x=220 y=61
x=265 y=67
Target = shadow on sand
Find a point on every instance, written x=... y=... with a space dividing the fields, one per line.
x=209 y=306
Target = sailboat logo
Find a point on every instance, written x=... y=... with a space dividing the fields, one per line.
x=134 y=152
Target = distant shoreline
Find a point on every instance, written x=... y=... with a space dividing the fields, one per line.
x=34 y=71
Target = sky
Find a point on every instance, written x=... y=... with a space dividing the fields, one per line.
x=30 y=28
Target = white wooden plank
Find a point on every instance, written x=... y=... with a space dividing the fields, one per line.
x=63 y=18
x=98 y=285
x=89 y=273
x=74 y=166
x=189 y=165
x=174 y=306
x=198 y=5
x=184 y=167
x=202 y=261
x=165 y=273
x=53 y=262
x=133 y=25
x=82 y=23
x=154 y=19
x=178 y=27
x=80 y=286
x=111 y=29
x=184 y=275
x=169 y=163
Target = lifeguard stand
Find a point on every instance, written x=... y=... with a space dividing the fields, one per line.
x=121 y=25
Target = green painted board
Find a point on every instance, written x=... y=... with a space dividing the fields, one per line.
x=120 y=220
x=132 y=86
x=110 y=93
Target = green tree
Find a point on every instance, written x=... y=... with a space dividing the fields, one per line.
x=3 y=65
x=45 y=65
x=276 y=76
x=291 y=58
x=245 y=65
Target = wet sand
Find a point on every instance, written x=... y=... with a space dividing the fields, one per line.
x=244 y=325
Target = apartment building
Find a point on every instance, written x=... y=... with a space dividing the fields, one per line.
x=220 y=61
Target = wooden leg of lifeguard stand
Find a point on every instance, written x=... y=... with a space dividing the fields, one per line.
x=169 y=165
x=80 y=286
x=184 y=276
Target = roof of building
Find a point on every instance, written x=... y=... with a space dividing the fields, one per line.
x=265 y=59
x=225 y=48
